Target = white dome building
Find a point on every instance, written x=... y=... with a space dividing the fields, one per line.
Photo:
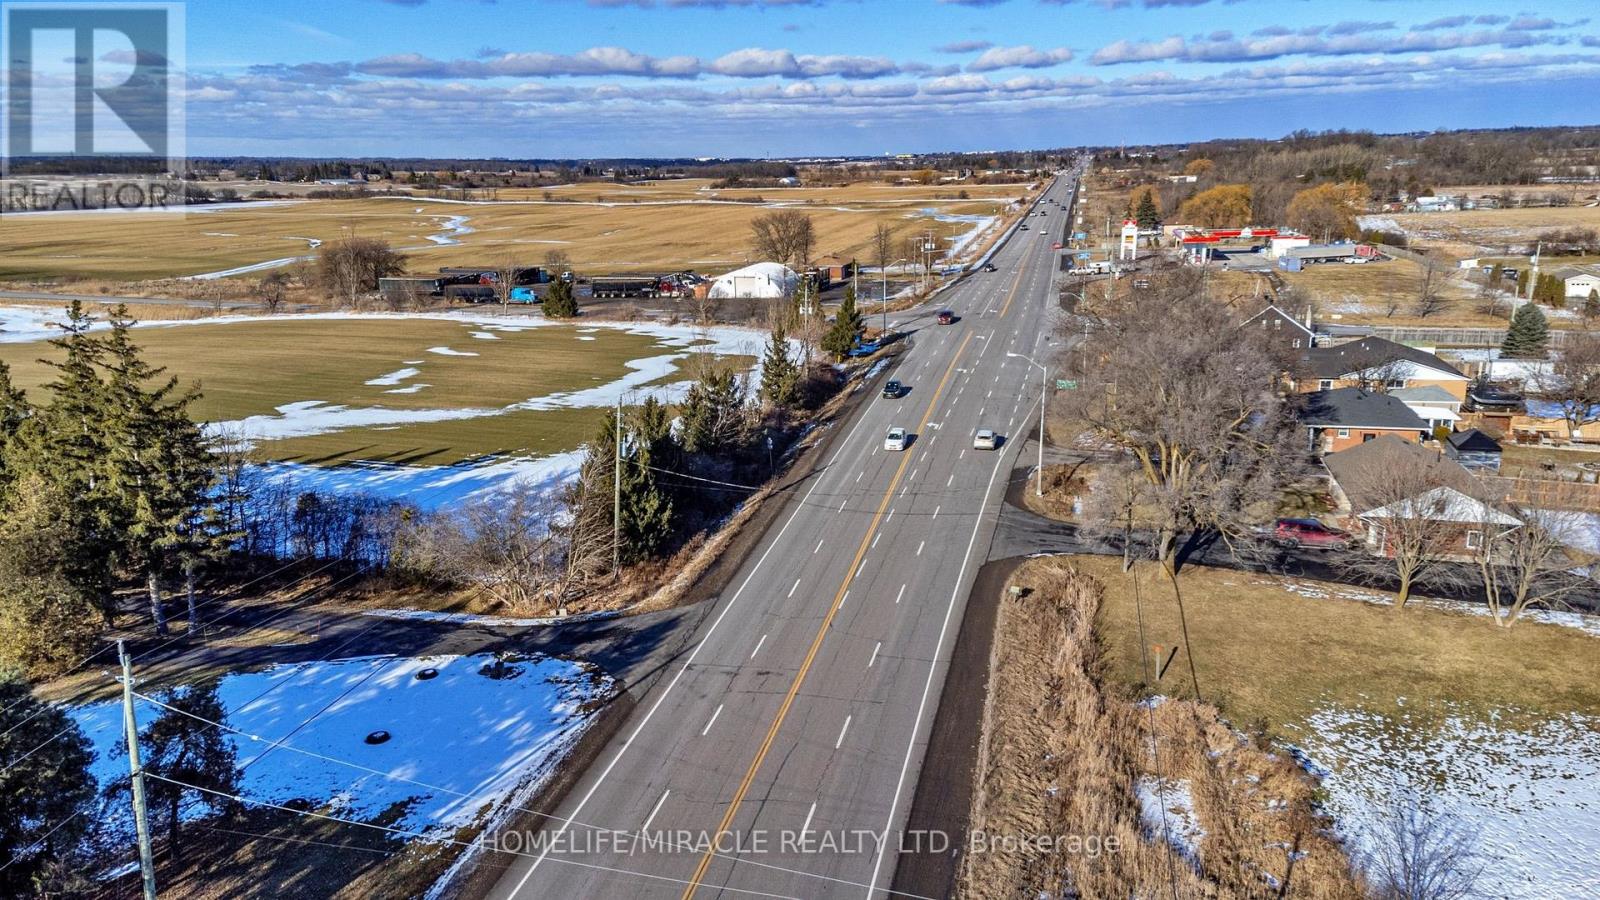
x=764 y=280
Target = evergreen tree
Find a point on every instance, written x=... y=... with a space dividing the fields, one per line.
x=46 y=794
x=1528 y=334
x=1147 y=215
x=647 y=511
x=14 y=410
x=780 y=375
x=560 y=302
x=47 y=616
x=713 y=415
x=1522 y=282
x=161 y=470
x=178 y=745
x=841 y=335
x=1591 y=304
x=1497 y=275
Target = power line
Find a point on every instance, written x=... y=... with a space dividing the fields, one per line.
x=443 y=840
x=280 y=743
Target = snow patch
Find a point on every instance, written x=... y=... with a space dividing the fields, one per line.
x=394 y=377
x=1181 y=824
x=446 y=351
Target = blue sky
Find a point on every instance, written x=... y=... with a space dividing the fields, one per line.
x=563 y=78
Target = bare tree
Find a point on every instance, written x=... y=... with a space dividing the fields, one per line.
x=557 y=262
x=785 y=235
x=505 y=278
x=1527 y=565
x=1417 y=854
x=1417 y=508
x=351 y=268
x=1430 y=294
x=883 y=245
x=1194 y=402
x=1381 y=377
x=272 y=289
x=502 y=546
x=1572 y=382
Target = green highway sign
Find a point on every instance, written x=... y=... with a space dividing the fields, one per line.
x=1064 y=384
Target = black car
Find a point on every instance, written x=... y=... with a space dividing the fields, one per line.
x=893 y=389
x=1485 y=397
x=989 y=267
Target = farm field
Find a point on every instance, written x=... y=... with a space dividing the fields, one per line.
x=411 y=390
x=1385 y=293
x=1480 y=232
x=1500 y=729
x=643 y=231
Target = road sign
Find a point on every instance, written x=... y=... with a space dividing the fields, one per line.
x=1066 y=384
x=1080 y=235
x=1085 y=255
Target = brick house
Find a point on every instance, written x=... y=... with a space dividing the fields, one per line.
x=1347 y=417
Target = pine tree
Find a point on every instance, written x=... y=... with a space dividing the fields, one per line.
x=161 y=471
x=1591 y=304
x=180 y=744
x=713 y=415
x=14 y=410
x=1522 y=282
x=1147 y=215
x=1528 y=334
x=47 y=616
x=559 y=301
x=780 y=376
x=841 y=335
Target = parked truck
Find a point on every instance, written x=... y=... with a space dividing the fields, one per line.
x=625 y=286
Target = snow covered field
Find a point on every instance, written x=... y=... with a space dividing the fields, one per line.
x=1531 y=794
x=460 y=742
x=429 y=487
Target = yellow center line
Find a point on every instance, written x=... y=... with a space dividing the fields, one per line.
x=816 y=642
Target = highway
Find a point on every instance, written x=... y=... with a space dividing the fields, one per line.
x=775 y=757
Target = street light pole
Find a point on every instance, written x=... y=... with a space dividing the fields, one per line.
x=1044 y=392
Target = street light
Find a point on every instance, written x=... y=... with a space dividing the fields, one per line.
x=1044 y=391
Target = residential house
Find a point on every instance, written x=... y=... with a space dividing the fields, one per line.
x=1432 y=404
x=1473 y=450
x=1281 y=329
x=1342 y=418
x=1439 y=203
x=834 y=268
x=1578 y=282
x=1377 y=362
x=1370 y=499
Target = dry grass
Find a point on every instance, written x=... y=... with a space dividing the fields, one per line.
x=1060 y=757
x=634 y=232
x=1363 y=294
x=1271 y=656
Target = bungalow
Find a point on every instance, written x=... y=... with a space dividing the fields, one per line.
x=1375 y=362
x=1369 y=500
x=1348 y=417
x=1281 y=329
x=1473 y=450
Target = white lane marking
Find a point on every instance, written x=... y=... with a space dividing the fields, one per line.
x=807 y=826
x=842 y=503
x=875 y=648
x=901 y=594
x=843 y=599
x=913 y=474
x=645 y=828
x=819 y=547
x=859 y=474
x=875 y=539
x=920 y=545
x=963 y=453
x=951 y=480
x=566 y=822
x=990 y=394
x=937 y=508
x=795 y=588
x=889 y=516
x=859 y=569
x=933 y=440
x=981 y=411
x=840 y=742
x=713 y=720
x=927 y=686
x=758 y=646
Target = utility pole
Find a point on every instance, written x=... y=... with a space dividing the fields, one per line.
x=141 y=823
x=616 y=498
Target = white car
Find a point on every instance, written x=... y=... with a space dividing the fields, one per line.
x=985 y=440
x=896 y=439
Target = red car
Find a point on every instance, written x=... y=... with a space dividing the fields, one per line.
x=1056 y=246
x=1308 y=533
x=946 y=317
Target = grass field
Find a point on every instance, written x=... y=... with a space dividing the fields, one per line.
x=646 y=229
x=251 y=368
x=1276 y=651
x=1364 y=294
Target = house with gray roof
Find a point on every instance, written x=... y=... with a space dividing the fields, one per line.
x=1348 y=417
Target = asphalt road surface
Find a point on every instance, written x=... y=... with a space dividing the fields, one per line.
x=787 y=743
